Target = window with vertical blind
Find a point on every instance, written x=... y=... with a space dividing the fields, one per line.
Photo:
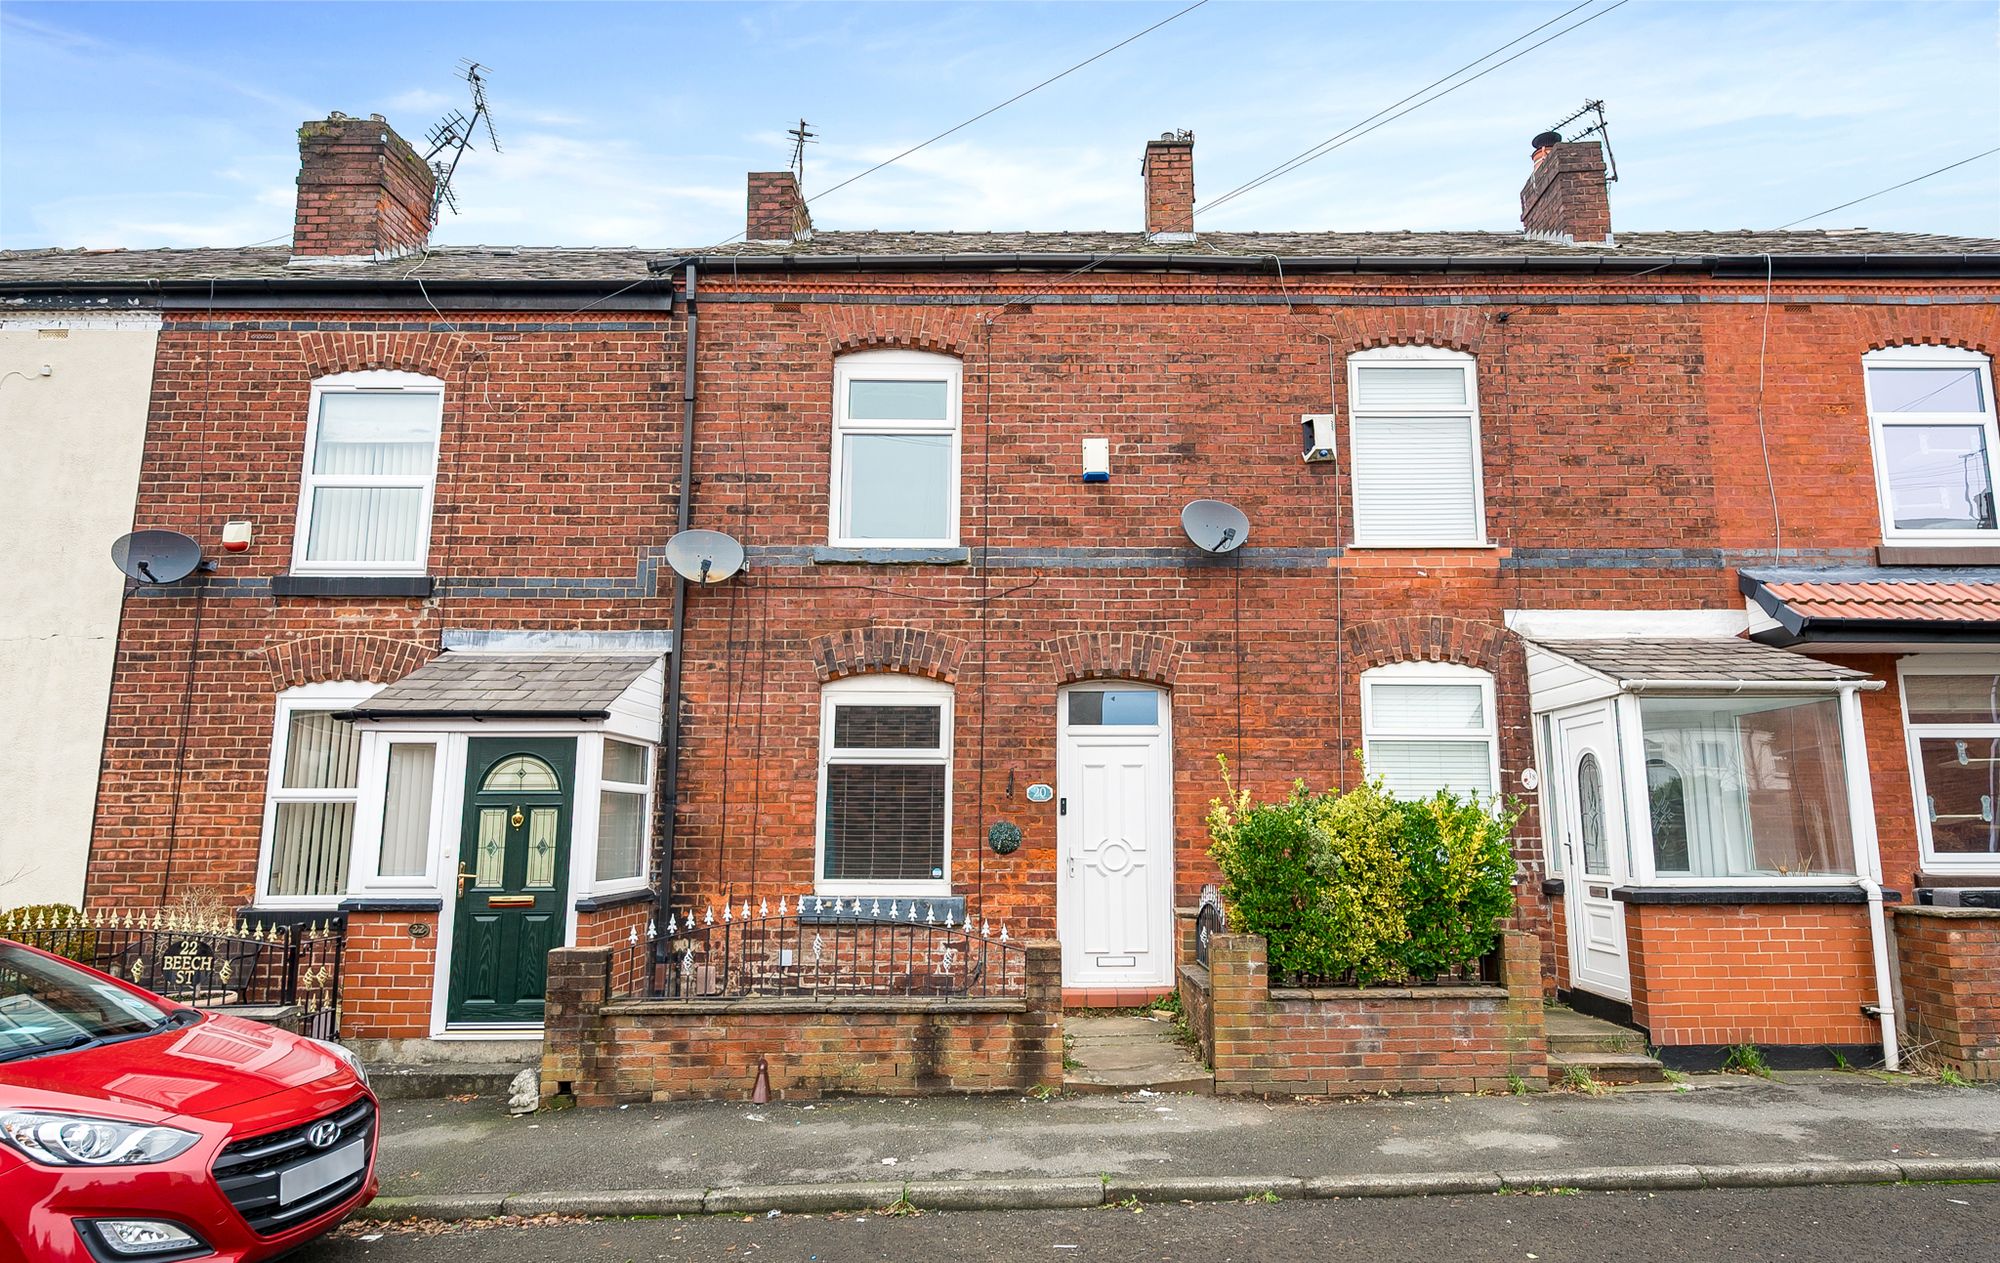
x=370 y=474
x=408 y=795
x=885 y=786
x=1429 y=726
x=624 y=788
x=1414 y=463
x=1932 y=418
x=314 y=791
x=895 y=449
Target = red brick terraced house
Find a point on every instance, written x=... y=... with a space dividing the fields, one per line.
x=1686 y=538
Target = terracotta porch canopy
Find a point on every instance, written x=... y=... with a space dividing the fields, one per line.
x=1873 y=606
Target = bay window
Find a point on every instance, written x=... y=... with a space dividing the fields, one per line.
x=624 y=792
x=1952 y=721
x=885 y=786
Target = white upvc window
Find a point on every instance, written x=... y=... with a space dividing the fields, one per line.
x=625 y=802
x=885 y=787
x=1931 y=421
x=1951 y=720
x=895 y=450
x=312 y=799
x=1413 y=448
x=370 y=474
x=1428 y=726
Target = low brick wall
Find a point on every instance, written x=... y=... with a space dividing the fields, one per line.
x=608 y=1051
x=387 y=974
x=1949 y=961
x=1333 y=1041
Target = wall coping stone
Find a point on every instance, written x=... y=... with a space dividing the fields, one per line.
x=1946 y=914
x=815 y=1004
x=1335 y=995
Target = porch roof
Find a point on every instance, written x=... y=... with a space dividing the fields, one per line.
x=1691 y=660
x=1876 y=604
x=508 y=686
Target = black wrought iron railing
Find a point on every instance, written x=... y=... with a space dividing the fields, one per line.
x=823 y=947
x=205 y=962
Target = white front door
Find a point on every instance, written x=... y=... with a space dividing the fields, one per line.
x=1592 y=807
x=1115 y=836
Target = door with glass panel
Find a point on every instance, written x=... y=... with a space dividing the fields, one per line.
x=1592 y=809
x=513 y=872
x=1115 y=837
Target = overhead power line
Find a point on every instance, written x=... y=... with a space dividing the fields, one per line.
x=1891 y=189
x=1341 y=139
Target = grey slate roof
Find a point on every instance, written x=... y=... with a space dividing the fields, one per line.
x=508 y=686
x=1692 y=659
x=530 y=263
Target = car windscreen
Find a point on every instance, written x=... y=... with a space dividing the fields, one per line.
x=49 y=1005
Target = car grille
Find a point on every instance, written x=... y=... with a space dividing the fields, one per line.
x=247 y=1170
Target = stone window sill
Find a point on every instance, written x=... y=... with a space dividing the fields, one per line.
x=417 y=585
x=1709 y=895
x=829 y=555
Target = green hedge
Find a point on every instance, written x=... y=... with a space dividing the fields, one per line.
x=1363 y=886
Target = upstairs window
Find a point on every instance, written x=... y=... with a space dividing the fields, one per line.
x=895 y=449
x=1931 y=413
x=371 y=469
x=1413 y=422
x=885 y=786
x=1428 y=726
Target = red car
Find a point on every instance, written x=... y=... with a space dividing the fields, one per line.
x=133 y=1128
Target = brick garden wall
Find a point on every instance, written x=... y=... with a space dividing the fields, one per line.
x=387 y=975
x=616 y=1051
x=1333 y=1041
x=1775 y=975
x=1949 y=959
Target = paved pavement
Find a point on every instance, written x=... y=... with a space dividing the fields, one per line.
x=443 y=1148
x=1878 y=1224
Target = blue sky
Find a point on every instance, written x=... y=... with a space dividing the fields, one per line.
x=168 y=124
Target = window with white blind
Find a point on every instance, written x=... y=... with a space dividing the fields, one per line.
x=885 y=786
x=895 y=449
x=1413 y=426
x=409 y=796
x=1428 y=726
x=624 y=791
x=1931 y=416
x=370 y=474
x=314 y=791
x=1951 y=718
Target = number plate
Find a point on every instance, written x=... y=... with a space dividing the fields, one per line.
x=329 y=1168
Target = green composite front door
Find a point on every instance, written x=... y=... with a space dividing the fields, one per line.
x=513 y=871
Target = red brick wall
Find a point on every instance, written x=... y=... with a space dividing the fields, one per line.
x=1768 y=974
x=614 y=1052
x=1169 y=179
x=1566 y=192
x=1338 y=1040
x=1949 y=959
x=387 y=975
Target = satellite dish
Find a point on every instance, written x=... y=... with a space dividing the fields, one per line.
x=704 y=556
x=156 y=556
x=1215 y=526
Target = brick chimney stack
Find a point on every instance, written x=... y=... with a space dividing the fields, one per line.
x=1566 y=194
x=1169 y=171
x=363 y=192
x=777 y=208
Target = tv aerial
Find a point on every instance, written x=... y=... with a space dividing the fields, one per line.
x=150 y=558
x=704 y=556
x=1601 y=127
x=802 y=135
x=454 y=134
x=1215 y=526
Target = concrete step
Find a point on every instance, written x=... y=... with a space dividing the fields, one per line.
x=1572 y=1032
x=1607 y=1067
x=1125 y=1053
x=435 y=1082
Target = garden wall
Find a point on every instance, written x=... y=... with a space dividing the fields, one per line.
x=1949 y=959
x=1331 y=1041
x=607 y=1051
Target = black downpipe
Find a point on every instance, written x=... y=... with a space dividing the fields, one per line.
x=670 y=772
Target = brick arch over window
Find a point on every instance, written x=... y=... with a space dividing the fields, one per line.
x=1427 y=638
x=943 y=333
x=1454 y=329
x=1115 y=656
x=908 y=650
x=432 y=354
x=320 y=659
x=1943 y=343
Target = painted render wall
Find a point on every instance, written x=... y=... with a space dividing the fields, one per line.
x=73 y=440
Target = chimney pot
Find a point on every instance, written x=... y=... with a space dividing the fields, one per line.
x=1566 y=195
x=364 y=193
x=1168 y=169
x=777 y=208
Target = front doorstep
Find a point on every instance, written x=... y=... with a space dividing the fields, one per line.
x=1113 y=997
x=1595 y=1005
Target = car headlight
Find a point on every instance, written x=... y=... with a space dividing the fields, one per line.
x=75 y=1140
x=346 y=1055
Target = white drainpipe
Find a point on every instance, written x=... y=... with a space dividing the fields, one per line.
x=1885 y=1004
